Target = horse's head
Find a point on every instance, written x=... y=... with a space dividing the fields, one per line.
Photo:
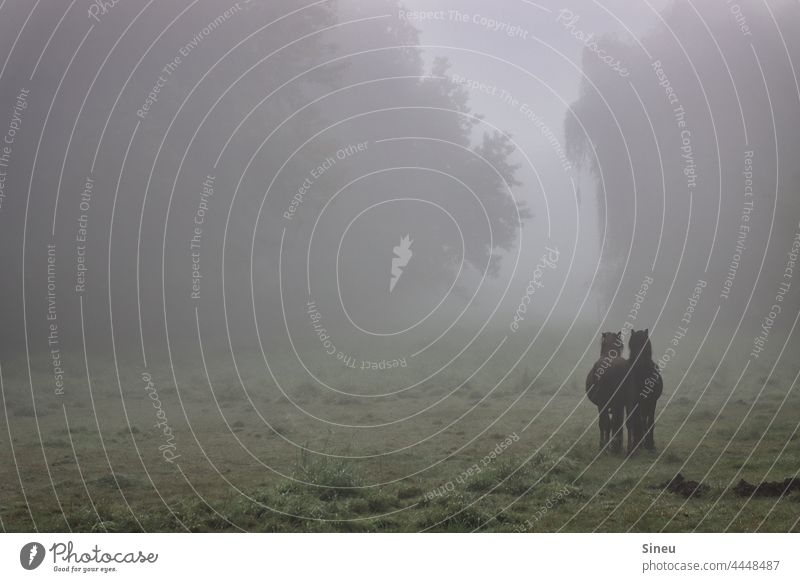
x=639 y=344
x=611 y=341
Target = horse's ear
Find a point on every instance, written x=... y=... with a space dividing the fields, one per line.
x=647 y=330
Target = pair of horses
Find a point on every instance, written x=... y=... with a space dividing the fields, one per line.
x=625 y=391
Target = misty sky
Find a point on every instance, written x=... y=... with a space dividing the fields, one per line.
x=493 y=136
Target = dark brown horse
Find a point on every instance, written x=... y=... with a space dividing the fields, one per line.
x=609 y=387
x=647 y=382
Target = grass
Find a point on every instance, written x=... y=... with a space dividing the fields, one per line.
x=552 y=479
x=503 y=497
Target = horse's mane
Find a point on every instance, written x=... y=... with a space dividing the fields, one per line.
x=611 y=341
x=641 y=352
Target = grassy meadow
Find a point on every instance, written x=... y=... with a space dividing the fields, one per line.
x=456 y=454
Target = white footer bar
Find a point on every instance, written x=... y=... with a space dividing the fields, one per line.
x=389 y=557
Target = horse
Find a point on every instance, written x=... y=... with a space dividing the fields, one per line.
x=647 y=382
x=609 y=387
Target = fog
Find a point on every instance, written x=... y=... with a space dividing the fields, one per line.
x=370 y=182
x=285 y=266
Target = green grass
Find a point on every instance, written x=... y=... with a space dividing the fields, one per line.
x=538 y=495
x=552 y=479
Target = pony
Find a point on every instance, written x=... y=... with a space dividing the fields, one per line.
x=647 y=381
x=609 y=387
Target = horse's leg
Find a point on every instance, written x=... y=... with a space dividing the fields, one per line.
x=603 y=420
x=649 y=442
x=600 y=425
x=617 y=414
x=636 y=414
x=632 y=425
x=651 y=421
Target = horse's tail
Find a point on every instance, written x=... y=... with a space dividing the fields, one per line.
x=658 y=383
x=594 y=388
